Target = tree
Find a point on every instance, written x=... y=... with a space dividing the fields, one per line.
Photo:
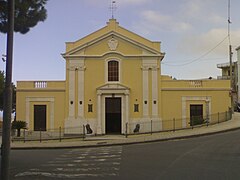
x=27 y=14
x=19 y=125
x=2 y=83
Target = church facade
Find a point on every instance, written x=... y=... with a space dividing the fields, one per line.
x=113 y=78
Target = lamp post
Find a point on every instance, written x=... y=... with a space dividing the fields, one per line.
x=7 y=108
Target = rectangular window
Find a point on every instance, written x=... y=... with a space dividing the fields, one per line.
x=113 y=71
x=136 y=108
x=90 y=108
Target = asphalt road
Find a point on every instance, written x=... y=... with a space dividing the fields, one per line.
x=209 y=157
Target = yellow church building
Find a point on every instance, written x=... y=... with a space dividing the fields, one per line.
x=113 y=78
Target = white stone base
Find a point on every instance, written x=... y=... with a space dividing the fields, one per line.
x=146 y=125
x=75 y=125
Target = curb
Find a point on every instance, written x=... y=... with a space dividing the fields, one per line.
x=104 y=144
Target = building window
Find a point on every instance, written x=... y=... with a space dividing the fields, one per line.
x=136 y=108
x=113 y=71
x=90 y=108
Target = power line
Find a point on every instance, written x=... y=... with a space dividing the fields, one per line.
x=199 y=58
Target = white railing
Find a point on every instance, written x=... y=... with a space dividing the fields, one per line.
x=40 y=84
x=195 y=83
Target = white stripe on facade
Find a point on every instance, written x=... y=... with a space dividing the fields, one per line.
x=145 y=92
x=80 y=102
x=154 y=92
x=71 y=92
x=99 y=114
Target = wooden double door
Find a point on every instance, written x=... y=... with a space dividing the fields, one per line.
x=113 y=115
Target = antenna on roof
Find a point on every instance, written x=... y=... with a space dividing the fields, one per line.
x=229 y=20
x=113 y=8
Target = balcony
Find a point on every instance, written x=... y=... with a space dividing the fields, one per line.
x=40 y=85
x=197 y=85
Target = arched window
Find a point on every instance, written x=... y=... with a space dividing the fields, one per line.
x=113 y=71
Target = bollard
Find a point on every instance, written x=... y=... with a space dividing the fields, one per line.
x=60 y=134
x=218 y=117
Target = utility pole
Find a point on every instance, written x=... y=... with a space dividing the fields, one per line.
x=231 y=77
x=230 y=55
x=7 y=108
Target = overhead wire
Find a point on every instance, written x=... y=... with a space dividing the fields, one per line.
x=199 y=58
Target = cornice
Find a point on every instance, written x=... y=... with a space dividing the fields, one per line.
x=111 y=33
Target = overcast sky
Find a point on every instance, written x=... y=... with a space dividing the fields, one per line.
x=193 y=34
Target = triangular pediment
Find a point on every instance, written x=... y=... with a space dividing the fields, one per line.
x=113 y=86
x=112 y=89
x=113 y=39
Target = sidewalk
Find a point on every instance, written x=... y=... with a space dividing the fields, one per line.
x=108 y=140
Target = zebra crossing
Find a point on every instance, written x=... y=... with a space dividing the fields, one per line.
x=81 y=163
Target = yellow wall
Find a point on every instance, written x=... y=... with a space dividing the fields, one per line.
x=59 y=109
x=173 y=91
x=131 y=52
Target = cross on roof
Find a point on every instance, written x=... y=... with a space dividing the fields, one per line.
x=113 y=8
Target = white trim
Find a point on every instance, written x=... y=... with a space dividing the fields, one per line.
x=40 y=99
x=207 y=100
x=145 y=124
x=114 y=52
x=99 y=114
x=71 y=93
x=76 y=65
x=102 y=94
x=119 y=69
x=81 y=72
x=109 y=34
x=155 y=92
x=145 y=92
x=123 y=112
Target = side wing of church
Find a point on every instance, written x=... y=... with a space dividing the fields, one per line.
x=113 y=78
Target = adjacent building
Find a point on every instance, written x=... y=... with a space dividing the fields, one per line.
x=225 y=68
x=113 y=78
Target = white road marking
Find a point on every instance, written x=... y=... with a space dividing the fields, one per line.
x=79 y=163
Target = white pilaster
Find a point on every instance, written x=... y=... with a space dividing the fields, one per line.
x=27 y=112
x=99 y=115
x=145 y=92
x=126 y=114
x=81 y=91
x=154 y=92
x=52 y=115
x=71 y=92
